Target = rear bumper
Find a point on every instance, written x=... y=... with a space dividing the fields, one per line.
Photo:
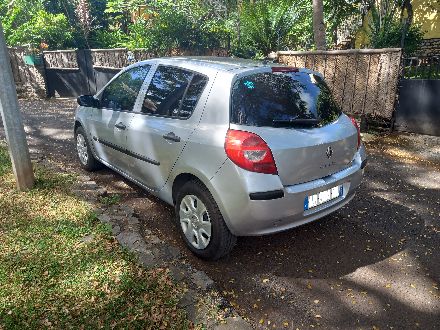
x=246 y=216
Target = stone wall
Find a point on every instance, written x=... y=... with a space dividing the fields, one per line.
x=29 y=79
x=430 y=47
x=363 y=81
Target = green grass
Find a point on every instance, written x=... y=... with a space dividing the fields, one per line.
x=49 y=278
x=110 y=199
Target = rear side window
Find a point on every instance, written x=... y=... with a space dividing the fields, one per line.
x=192 y=96
x=173 y=92
x=121 y=93
x=282 y=99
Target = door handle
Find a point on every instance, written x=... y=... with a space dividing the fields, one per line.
x=171 y=137
x=120 y=126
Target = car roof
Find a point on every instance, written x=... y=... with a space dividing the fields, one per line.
x=228 y=64
x=217 y=63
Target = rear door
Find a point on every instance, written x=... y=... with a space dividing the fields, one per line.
x=163 y=122
x=109 y=122
x=294 y=112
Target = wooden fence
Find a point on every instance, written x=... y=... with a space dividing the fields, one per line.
x=117 y=57
x=29 y=79
x=364 y=82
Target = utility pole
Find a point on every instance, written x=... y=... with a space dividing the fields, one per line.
x=12 y=122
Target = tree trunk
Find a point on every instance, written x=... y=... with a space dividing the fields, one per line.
x=318 y=24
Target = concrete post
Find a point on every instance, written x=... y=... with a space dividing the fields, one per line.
x=12 y=121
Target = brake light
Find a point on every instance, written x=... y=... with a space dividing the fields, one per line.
x=284 y=69
x=358 y=131
x=249 y=151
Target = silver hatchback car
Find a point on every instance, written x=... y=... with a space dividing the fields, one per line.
x=238 y=147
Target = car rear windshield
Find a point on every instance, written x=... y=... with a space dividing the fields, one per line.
x=283 y=99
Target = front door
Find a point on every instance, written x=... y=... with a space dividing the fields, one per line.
x=109 y=122
x=163 y=123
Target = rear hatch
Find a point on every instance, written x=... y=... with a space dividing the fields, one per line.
x=294 y=112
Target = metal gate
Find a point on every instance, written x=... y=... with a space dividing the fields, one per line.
x=418 y=108
x=78 y=72
x=70 y=73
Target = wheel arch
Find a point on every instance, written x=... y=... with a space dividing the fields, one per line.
x=185 y=176
x=180 y=180
x=77 y=125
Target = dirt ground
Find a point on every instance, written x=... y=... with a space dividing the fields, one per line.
x=374 y=264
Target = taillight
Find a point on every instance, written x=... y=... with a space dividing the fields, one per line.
x=358 y=131
x=249 y=151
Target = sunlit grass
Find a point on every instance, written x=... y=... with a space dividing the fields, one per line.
x=50 y=278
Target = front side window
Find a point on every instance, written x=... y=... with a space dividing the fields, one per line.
x=121 y=93
x=173 y=92
x=283 y=99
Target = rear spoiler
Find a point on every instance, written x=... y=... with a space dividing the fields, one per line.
x=284 y=69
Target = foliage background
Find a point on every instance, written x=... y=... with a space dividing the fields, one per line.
x=248 y=28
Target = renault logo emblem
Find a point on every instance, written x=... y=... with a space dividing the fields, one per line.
x=329 y=152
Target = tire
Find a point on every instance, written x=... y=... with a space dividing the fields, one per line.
x=84 y=153
x=194 y=232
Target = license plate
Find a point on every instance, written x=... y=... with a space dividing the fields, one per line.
x=322 y=197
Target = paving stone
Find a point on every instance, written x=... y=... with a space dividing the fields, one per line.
x=188 y=299
x=134 y=228
x=133 y=221
x=128 y=238
x=101 y=192
x=116 y=230
x=98 y=210
x=153 y=239
x=234 y=323
x=119 y=218
x=127 y=210
x=86 y=185
x=148 y=260
x=171 y=252
x=178 y=274
x=139 y=247
x=36 y=157
x=83 y=178
x=104 y=218
x=191 y=313
x=87 y=238
x=202 y=280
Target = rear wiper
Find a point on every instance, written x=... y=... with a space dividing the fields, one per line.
x=297 y=121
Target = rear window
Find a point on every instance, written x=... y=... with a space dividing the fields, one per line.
x=283 y=99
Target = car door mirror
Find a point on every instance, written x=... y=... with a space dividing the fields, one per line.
x=88 y=101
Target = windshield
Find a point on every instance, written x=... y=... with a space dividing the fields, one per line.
x=280 y=99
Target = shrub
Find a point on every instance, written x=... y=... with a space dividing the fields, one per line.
x=386 y=30
x=52 y=29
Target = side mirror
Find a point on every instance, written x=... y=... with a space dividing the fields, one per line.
x=88 y=101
